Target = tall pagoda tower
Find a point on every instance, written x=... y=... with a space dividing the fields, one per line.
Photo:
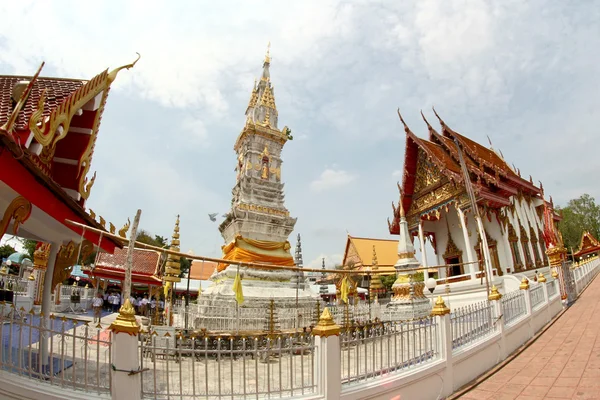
x=257 y=227
x=257 y=207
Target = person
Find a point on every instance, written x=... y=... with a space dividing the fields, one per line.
x=106 y=302
x=97 y=304
x=116 y=302
x=144 y=306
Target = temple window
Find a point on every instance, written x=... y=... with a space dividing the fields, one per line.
x=525 y=244
x=534 y=244
x=453 y=255
x=513 y=240
x=543 y=246
x=493 y=248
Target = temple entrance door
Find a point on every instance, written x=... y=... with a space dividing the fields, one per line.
x=455 y=269
x=495 y=260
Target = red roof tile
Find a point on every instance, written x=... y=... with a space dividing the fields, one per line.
x=202 y=270
x=145 y=262
x=58 y=89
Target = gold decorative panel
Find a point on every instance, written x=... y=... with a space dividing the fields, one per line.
x=427 y=173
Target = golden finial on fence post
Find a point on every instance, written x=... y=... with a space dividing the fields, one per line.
x=494 y=294
x=440 y=307
x=326 y=326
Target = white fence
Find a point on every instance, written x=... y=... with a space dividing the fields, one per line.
x=232 y=367
x=375 y=350
x=59 y=351
x=471 y=323
x=426 y=359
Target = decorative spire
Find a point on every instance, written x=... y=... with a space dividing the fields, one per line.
x=173 y=265
x=298 y=252
x=268 y=55
x=262 y=109
x=406 y=250
x=406 y=128
x=375 y=285
x=323 y=288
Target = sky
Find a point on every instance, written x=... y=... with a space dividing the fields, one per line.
x=524 y=74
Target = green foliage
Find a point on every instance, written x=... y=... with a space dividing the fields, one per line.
x=6 y=250
x=147 y=238
x=579 y=215
x=388 y=281
x=185 y=266
x=418 y=277
x=29 y=246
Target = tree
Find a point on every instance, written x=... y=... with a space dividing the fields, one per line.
x=29 y=246
x=6 y=250
x=147 y=238
x=579 y=215
x=185 y=266
x=388 y=281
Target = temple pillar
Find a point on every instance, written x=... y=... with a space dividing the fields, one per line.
x=423 y=252
x=46 y=298
x=469 y=248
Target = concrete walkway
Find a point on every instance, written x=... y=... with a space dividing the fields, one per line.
x=563 y=363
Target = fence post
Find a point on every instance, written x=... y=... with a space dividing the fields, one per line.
x=125 y=355
x=495 y=297
x=442 y=318
x=328 y=368
x=525 y=286
x=542 y=280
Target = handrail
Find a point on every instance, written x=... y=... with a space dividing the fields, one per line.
x=253 y=264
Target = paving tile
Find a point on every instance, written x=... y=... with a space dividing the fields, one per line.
x=535 y=390
x=542 y=381
x=571 y=373
x=586 y=393
x=477 y=394
x=515 y=388
x=560 y=391
x=589 y=382
x=526 y=397
x=504 y=396
x=490 y=386
x=521 y=379
x=568 y=382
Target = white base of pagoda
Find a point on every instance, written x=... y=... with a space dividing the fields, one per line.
x=217 y=309
x=407 y=309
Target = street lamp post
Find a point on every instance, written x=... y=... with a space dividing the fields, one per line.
x=368 y=269
x=430 y=284
x=187 y=293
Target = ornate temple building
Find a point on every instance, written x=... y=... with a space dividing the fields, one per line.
x=48 y=130
x=434 y=196
x=257 y=227
x=589 y=246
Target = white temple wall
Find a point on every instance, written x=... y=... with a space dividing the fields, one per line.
x=513 y=218
x=527 y=221
x=495 y=231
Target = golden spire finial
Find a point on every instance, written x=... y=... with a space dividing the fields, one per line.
x=374 y=261
x=268 y=55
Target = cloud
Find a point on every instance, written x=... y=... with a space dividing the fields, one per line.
x=397 y=173
x=331 y=179
x=331 y=260
x=195 y=131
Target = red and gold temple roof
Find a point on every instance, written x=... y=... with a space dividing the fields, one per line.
x=49 y=127
x=433 y=177
x=145 y=268
x=588 y=245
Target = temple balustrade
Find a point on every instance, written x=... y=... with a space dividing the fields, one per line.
x=329 y=360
